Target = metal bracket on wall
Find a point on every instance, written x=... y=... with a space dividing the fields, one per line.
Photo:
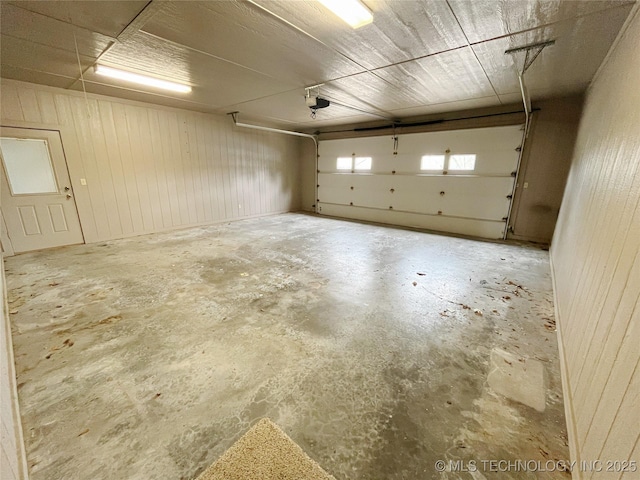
x=531 y=53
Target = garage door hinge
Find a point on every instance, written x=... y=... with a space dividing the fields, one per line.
x=513 y=174
x=518 y=149
x=509 y=197
x=504 y=219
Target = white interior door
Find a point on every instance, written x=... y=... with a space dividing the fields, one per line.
x=457 y=181
x=37 y=201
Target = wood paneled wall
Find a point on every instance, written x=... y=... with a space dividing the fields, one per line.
x=151 y=168
x=596 y=265
x=13 y=464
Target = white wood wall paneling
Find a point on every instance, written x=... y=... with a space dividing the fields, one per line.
x=607 y=288
x=596 y=260
x=598 y=272
x=13 y=465
x=29 y=105
x=10 y=105
x=47 y=108
x=152 y=168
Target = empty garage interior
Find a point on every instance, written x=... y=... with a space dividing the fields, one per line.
x=412 y=244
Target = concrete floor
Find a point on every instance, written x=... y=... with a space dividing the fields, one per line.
x=378 y=350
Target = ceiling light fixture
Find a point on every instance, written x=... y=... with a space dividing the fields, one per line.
x=141 y=79
x=354 y=12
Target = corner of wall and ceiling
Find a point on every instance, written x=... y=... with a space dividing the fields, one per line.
x=635 y=11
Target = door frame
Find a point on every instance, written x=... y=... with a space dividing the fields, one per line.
x=6 y=245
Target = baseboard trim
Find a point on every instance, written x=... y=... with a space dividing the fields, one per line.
x=569 y=413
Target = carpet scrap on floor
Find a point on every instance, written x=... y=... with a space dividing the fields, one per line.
x=265 y=452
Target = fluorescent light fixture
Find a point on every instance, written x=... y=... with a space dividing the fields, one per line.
x=141 y=79
x=354 y=12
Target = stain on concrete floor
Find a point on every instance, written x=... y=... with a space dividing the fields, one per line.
x=146 y=358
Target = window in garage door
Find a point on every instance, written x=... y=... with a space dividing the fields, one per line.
x=456 y=181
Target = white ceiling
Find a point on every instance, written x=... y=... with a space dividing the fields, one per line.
x=256 y=56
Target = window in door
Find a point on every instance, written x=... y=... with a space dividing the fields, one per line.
x=28 y=166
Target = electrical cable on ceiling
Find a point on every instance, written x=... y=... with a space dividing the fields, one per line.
x=86 y=99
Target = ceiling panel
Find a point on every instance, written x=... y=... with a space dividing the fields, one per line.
x=105 y=17
x=31 y=76
x=449 y=76
x=459 y=105
x=401 y=30
x=563 y=68
x=488 y=19
x=242 y=33
x=41 y=58
x=26 y=25
x=256 y=56
x=366 y=91
x=215 y=82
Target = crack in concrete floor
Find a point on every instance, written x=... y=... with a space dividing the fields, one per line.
x=370 y=346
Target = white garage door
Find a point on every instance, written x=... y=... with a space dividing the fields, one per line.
x=456 y=181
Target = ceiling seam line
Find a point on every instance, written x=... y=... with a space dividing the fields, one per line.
x=286 y=22
x=329 y=80
x=550 y=24
x=415 y=59
x=140 y=17
x=61 y=21
x=473 y=51
x=442 y=103
x=45 y=45
x=278 y=17
x=295 y=27
x=128 y=25
x=193 y=49
x=37 y=71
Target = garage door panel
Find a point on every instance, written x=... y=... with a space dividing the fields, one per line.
x=476 y=228
x=477 y=198
x=334 y=179
x=407 y=163
x=416 y=194
x=334 y=195
x=481 y=207
x=372 y=199
x=372 y=190
x=463 y=140
x=360 y=147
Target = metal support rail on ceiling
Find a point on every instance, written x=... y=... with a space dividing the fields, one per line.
x=532 y=52
x=234 y=116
